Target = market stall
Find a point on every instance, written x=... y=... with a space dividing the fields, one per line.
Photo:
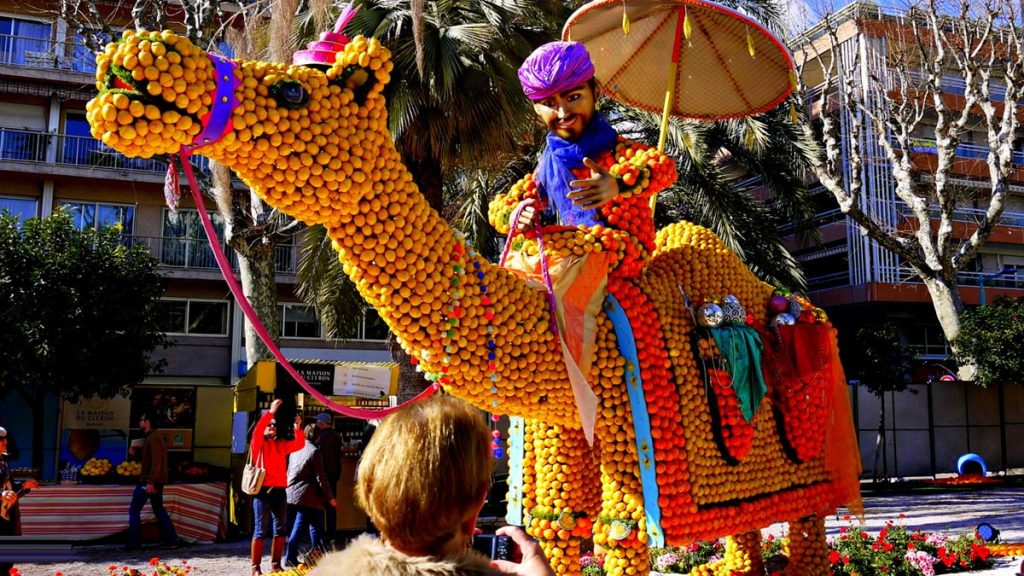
x=84 y=512
x=359 y=384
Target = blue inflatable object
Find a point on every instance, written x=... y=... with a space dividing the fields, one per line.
x=967 y=459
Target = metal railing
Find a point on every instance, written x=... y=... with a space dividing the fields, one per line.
x=928 y=146
x=823 y=281
x=973 y=215
x=954 y=85
x=42 y=53
x=195 y=253
x=906 y=275
x=83 y=151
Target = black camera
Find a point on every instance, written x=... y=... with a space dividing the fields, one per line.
x=494 y=546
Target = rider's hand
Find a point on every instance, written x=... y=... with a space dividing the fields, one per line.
x=532 y=562
x=595 y=191
x=526 y=218
x=275 y=405
x=9 y=496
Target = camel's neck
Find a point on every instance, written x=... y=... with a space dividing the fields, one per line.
x=451 y=308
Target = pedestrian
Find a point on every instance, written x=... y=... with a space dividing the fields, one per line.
x=423 y=479
x=309 y=494
x=329 y=443
x=270 y=505
x=152 y=478
x=10 y=514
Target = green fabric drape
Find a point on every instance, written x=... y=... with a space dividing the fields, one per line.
x=741 y=346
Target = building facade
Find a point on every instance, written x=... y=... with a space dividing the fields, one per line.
x=49 y=161
x=858 y=282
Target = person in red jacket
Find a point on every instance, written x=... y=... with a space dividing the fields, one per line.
x=271 y=502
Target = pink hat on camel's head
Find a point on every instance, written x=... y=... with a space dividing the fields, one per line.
x=322 y=52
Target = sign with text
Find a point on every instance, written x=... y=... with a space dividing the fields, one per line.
x=95 y=413
x=365 y=381
x=319 y=376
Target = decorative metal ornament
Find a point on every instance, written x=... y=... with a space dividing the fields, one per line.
x=820 y=315
x=778 y=303
x=619 y=530
x=795 y=308
x=710 y=315
x=784 y=319
x=733 y=311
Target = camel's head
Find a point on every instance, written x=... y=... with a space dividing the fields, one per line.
x=311 y=139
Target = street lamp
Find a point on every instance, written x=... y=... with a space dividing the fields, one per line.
x=1008 y=269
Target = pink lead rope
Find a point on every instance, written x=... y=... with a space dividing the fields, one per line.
x=254 y=319
x=513 y=230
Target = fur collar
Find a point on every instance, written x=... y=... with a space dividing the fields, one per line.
x=368 y=556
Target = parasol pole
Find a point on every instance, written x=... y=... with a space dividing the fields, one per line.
x=670 y=88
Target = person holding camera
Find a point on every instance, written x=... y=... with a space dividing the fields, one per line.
x=270 y=505
x=423 y=479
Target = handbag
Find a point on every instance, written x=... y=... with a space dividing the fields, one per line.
x=253 y=474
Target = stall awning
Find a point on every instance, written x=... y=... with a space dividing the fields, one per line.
x=351 y=379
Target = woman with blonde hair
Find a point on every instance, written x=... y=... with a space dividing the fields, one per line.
x=423 y=479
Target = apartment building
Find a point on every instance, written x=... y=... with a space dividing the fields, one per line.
x=859 y=282
x=49 y=161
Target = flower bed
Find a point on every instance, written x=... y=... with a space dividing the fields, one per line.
x=895 y=550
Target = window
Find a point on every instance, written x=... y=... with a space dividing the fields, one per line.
x=927 y=342
x=373 y=327
x=20 y=208
x=194 y=317
x=79 y=147
x=25 y=42
x=298 y=321
x=184 y=241
x=97 y=215
x=83 y=58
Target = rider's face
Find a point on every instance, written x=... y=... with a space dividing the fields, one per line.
x=569 y=113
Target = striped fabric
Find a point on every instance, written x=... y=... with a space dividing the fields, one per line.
x=89 y=512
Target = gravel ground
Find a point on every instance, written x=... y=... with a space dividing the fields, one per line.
x=948 y=511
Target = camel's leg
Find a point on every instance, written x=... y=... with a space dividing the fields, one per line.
x=621 y=526
x=808 y=550
x=564 y=494
x=742 y=556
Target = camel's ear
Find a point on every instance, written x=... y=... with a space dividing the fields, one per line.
x=359 y=79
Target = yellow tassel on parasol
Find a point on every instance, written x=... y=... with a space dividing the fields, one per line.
x=686 y=58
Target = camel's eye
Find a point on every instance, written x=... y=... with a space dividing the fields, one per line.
x=290 y=94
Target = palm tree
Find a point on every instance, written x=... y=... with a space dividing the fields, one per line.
x=720 y=164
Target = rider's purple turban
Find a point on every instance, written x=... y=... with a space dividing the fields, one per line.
x=554 y=68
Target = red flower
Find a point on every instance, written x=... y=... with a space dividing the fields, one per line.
x=846 y=517
x=154 y=561
x=846 y=559
x=833 y=558
x=910 y=546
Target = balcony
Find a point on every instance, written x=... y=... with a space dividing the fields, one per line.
x=975 y=151
x=45 y=54
x=823 y=281
x=194 y=254
x=1015 y=281
x=78 y=151
x=969 y=215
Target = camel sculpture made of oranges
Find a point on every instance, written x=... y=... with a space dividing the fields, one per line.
x=312 y=141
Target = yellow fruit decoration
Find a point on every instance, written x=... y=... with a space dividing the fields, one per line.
x=312 y=141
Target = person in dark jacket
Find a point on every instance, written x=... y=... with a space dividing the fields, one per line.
x=329 y=443
x=152 y=479
x=309 y=492
x=270 y=505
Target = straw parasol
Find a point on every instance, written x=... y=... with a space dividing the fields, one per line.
x=686 y=58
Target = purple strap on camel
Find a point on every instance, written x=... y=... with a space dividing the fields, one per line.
x=218 y=121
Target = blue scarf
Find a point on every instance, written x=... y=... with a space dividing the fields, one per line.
x=554 y=171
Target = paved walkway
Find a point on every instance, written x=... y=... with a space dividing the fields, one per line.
x=948 y=511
